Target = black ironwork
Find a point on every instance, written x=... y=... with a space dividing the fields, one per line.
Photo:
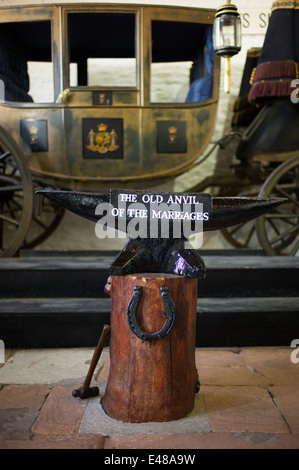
x=160 y=254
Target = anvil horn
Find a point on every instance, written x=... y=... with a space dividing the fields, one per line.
x=229 y=211
x=83 y=204
x=226 y=211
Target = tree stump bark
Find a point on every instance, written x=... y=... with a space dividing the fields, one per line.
x=151 y=380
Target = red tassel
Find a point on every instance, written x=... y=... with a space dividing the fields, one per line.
x=269 y=90
x=276 y=69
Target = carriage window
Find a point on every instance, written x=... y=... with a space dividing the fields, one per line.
x=102 y=49
x=182 y=62
x=26 y=67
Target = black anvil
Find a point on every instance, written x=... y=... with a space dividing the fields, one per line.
x=159 y=224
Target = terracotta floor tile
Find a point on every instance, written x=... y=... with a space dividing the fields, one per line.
x=61 y=413
x=224 y=367
x=243 y=440
x=56 y=442
x=286 y=397
x=272 y=363
x=20 y=396
x=247 y=409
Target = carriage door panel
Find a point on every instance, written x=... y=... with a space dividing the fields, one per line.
x=29 y=45
x=102 y=115
x=178 y=118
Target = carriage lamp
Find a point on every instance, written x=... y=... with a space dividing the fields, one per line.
x=227 y=36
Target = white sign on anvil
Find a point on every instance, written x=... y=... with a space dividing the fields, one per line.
x=143 y=214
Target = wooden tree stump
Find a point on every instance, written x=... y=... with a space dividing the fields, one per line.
x=151 y=380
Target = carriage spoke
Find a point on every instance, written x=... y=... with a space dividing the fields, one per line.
x=4 y=156
x=287 y=195
x=16 y=192
x=285 y=234
x=274 y=227
x=11 y=210
x=278 y=231
x=285 y=218
x=15 y=187
x=235 y=229
x=295 y=248
x=1 y=229
x=289 y=222
x=8 y=219
x=251 y=232
x=40 y=223
x=281 y=215
x=17 y=205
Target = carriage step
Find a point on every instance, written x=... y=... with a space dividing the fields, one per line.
x=86 y=276
x=77 y=322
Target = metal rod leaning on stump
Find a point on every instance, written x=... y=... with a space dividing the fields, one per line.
x=86 y=391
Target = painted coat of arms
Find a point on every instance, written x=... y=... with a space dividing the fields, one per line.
x=103 y=138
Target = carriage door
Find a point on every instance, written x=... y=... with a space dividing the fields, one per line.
x=101 y=110
x=180 y=91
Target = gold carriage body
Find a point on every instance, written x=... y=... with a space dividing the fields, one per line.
x=93 y=132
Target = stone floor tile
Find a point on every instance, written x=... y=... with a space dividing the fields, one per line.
x=15 y=423
x=56 y=442
x=246 y=408
x=19 y=396
x=8 y=355
x=19 y=406
x=286 y=397
x=224 y=367
x=242 y=440
x=47 y=366
x=61 y=413
x=273 y=363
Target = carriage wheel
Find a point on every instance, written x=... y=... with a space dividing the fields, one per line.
x=278 y=231
x=16 y=196
x=243 y=236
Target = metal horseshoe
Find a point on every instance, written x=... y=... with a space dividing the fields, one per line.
x=132 y=320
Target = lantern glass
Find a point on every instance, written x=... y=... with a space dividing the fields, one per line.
x=227 y=35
